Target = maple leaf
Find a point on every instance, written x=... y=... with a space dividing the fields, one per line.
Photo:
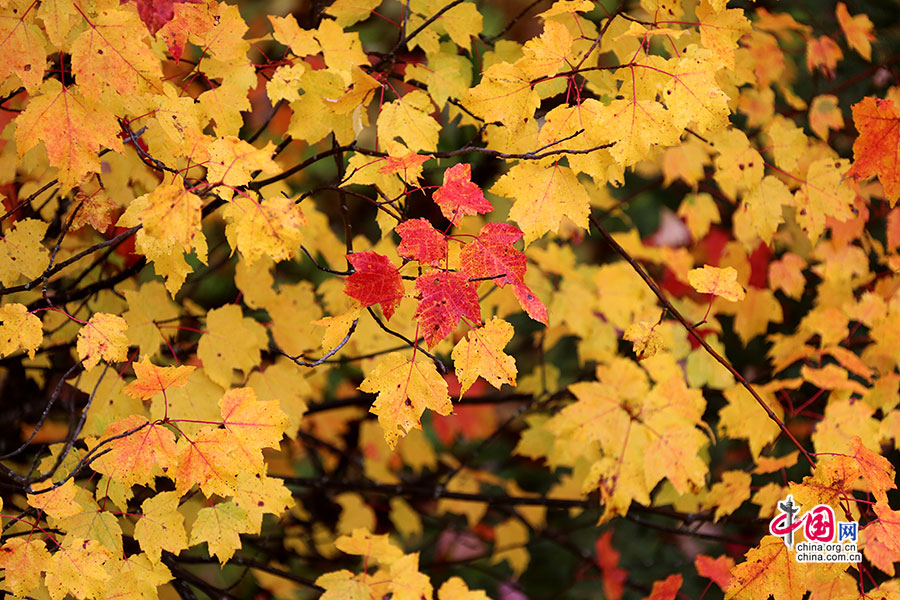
x=255 y=424
x=152 y=380
x=876 y=470
x=768 y=570
x=207 y=460
x=102 y=337
x=646 y=339
x=78 y=569
x=405 y=389
x=111 y=62
x=23 y=560
x=608 y=557
x=825 y=114
x=409 y=165
x=458 y=196
x=169 y=214
x=543 y=196
x=287 y=31
x=491 y=254
x=23 y=46
x=456 y=589
x=361 y=542
x=505 y=94
x=139 y=456
x=220 y=527
x=877 y=149
x=58 y=502
x=156 y=13
x=232 y=161
x=667 y=589
x=422 y=242
x=22 y=253
x=718 y=282
x=231 y=341
x=717 y=569
x=374 y=281
x=19 y=329
x=409 y=118
x=271 y=227
x=481 y=353
x=161 y=526
x=444 y=299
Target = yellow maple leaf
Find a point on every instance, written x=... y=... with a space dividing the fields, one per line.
x=824 y=115
x=22 y=253
x=112 y=63
x=220 y=527
x=161 y=526
x=103 y=336
x=409 y=118
x=764 y=206
x=341 y=49
x=825 y=193
x=740 y=418
x=361 y=542
x=73 y=147
x=768 y=570
x=693 y=96
x=171 y=215
x=481 y=353
x=78 y=569
x=286 y=31
x=716 y=281
x=739 y=167
x=271 y=227
x=645 y=338
x=543 y=196
x=147 y=306
x=24 y=560
x=505 y=94
x=510 y=544
x=24 y=51
x=231 y=342
x=152 y=380
x=721 y=30
x=19 y=329
x=729 y=493
x=232 y=161
x=405 y=389
x=546 y=55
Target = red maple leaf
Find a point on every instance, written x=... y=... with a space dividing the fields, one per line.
x=375 y=281
x=444 y=298
x=458 y=196
x=877 y=149
x=492 y=254
x=156 y=13
x=422 y=242
x=530 y=303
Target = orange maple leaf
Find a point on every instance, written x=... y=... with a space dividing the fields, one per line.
x=877 y=149
x=152 y=380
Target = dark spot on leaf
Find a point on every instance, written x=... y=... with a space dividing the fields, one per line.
x=408 y=402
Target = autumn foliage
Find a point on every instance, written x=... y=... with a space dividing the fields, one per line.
x=446 y=299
